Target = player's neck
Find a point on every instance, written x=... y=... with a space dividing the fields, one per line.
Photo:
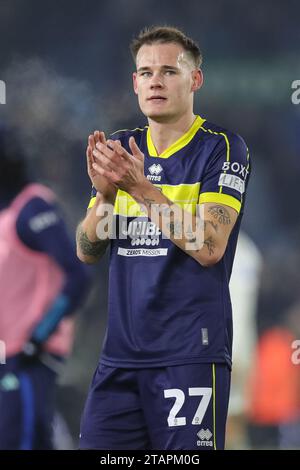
x=164 y=134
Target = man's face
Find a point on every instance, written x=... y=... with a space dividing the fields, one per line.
x=165 y=81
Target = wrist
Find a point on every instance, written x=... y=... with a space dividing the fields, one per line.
x=141 y=189
x=106 y=198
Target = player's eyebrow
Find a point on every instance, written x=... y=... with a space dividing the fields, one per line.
x=169 y=67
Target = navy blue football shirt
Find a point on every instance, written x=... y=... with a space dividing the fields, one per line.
x=164 y=307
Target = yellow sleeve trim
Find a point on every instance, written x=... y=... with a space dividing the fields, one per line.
x=92 y=202
x=220 y=198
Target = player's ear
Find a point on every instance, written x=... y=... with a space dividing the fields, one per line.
x=134 y=80
x=197 y=79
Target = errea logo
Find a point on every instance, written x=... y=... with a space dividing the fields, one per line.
x=155 y=171
x=204 y=436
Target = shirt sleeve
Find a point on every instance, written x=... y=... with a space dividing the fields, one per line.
x=92 y=198
x=226 y=177
x=41 y=227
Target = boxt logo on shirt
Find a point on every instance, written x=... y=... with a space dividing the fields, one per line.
x=236 y=178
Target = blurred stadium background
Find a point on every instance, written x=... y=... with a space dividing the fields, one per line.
x=67 y=70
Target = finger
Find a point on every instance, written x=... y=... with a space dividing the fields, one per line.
x=108 y=150
x=136 y=152
x=96 y=136
x=89 y=157
x=99 y=136
x=108 y=174
x=117 y=147
x=102 y=159
x=91 y=145
x=89 y=153
x=118 y=150
x=102 y=138
x=91 y=141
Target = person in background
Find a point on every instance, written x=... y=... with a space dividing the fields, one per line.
x=244 y=288
x=41 y=285
x=274 y=385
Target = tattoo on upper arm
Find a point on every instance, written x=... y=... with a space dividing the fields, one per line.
x=210 y=245
x=214 y=226
x=190 y=235
x=220 y=214
x=89 y=248
x=209 y=222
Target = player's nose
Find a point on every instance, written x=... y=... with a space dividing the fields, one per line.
x=156 y=81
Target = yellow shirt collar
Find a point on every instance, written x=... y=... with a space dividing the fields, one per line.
x=179 y=144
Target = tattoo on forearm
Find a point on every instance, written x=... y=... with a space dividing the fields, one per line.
x=89 y=248
x=220 y=214
x=190 y=235
x=210 y=245
x=148 y=201
x=165 y=210
x=175 y=228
